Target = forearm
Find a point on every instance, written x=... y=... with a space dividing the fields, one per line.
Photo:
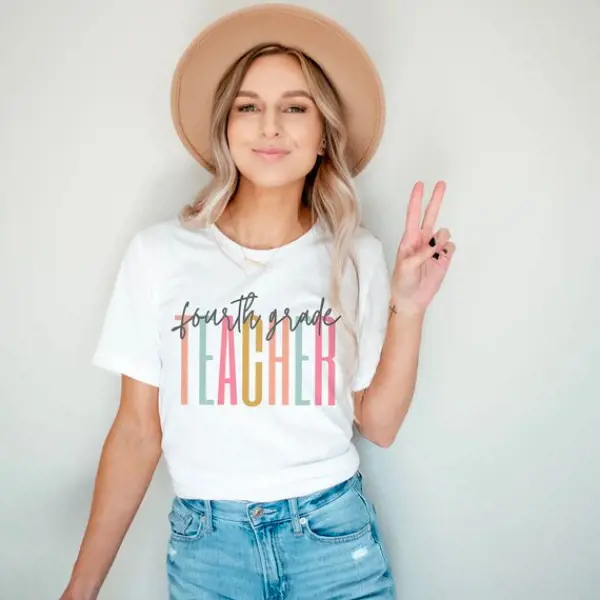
x=125 y=470
x=386 y=401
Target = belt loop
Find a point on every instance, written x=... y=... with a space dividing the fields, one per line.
x=293 y=503
x=208 y=516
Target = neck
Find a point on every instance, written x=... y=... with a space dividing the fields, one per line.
x=264 y=218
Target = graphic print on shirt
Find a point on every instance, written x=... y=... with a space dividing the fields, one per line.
x=274 y=350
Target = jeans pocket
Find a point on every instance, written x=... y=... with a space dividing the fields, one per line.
x=187 y=524
x=342 y=520
x=376 y=535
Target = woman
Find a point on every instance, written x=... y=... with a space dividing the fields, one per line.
x=254 y=330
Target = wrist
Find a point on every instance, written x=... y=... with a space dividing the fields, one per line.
x=400 y=309
x=80 y=589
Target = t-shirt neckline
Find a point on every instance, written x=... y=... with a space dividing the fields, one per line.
x=264 y=254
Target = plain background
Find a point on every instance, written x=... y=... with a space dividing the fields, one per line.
x=492 y=489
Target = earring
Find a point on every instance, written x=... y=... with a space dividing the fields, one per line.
x=322 y=148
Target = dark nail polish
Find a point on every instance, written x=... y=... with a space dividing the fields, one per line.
x=432 y=242
x=436 y=255
x=444 y=250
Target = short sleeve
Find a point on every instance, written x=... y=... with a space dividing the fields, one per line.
x=373 y=320
x=129 y=340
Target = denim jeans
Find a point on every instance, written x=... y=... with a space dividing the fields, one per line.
x=320 y=546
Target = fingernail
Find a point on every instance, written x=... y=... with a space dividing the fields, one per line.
x=432 y=242
x=436 y=255
x=445 y=250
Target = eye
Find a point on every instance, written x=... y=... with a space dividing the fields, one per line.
x=247 y=108
x=296 y=109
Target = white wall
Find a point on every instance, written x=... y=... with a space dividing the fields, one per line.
x=492 y=488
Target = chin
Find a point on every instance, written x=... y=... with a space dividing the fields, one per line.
x=271 y=177
x=271 y=180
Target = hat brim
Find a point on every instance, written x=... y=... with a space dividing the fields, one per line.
x=341 y=56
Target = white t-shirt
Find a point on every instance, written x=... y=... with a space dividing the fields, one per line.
x=254 y=399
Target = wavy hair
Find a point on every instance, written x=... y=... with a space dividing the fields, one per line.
x=328 y=189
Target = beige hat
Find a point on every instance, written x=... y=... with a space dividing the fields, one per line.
x=341 y=57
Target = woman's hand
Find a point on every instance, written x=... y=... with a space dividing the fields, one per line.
x=420 y=267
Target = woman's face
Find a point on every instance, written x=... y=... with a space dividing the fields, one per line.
x=274 y=128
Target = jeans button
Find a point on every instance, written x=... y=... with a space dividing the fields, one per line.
x=258 y=511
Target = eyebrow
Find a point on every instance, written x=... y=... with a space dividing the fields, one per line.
x=288 y=94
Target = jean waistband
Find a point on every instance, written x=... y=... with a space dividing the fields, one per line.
x=276 y=510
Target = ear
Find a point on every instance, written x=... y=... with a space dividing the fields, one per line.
x=321 y=151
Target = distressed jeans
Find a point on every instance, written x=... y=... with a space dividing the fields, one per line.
x=321 y=546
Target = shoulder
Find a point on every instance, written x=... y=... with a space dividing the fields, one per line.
x=168 y=238
x=367 y=256
x=151 y=248
x=371 y=264
x=157 y=235
x=367 y=246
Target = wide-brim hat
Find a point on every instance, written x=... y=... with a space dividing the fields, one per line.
x=342 y=58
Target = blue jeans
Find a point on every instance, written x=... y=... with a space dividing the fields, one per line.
x=321 y=546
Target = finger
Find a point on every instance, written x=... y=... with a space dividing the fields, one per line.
x=433 y=208
x=413 y=211
x=447 y=251
x=437 y=242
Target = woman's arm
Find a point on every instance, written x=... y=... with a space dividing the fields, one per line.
x=129 y=458
x=380 y=409
x=422 y=262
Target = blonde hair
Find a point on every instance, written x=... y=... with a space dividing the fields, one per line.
x=328 y=188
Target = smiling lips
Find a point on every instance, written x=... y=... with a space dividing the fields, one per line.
x=271 y=154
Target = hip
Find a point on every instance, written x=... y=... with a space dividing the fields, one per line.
x=325 y=544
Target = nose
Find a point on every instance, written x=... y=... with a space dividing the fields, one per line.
x=270 y=126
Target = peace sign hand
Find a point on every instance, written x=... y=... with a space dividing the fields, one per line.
x=423 y=258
